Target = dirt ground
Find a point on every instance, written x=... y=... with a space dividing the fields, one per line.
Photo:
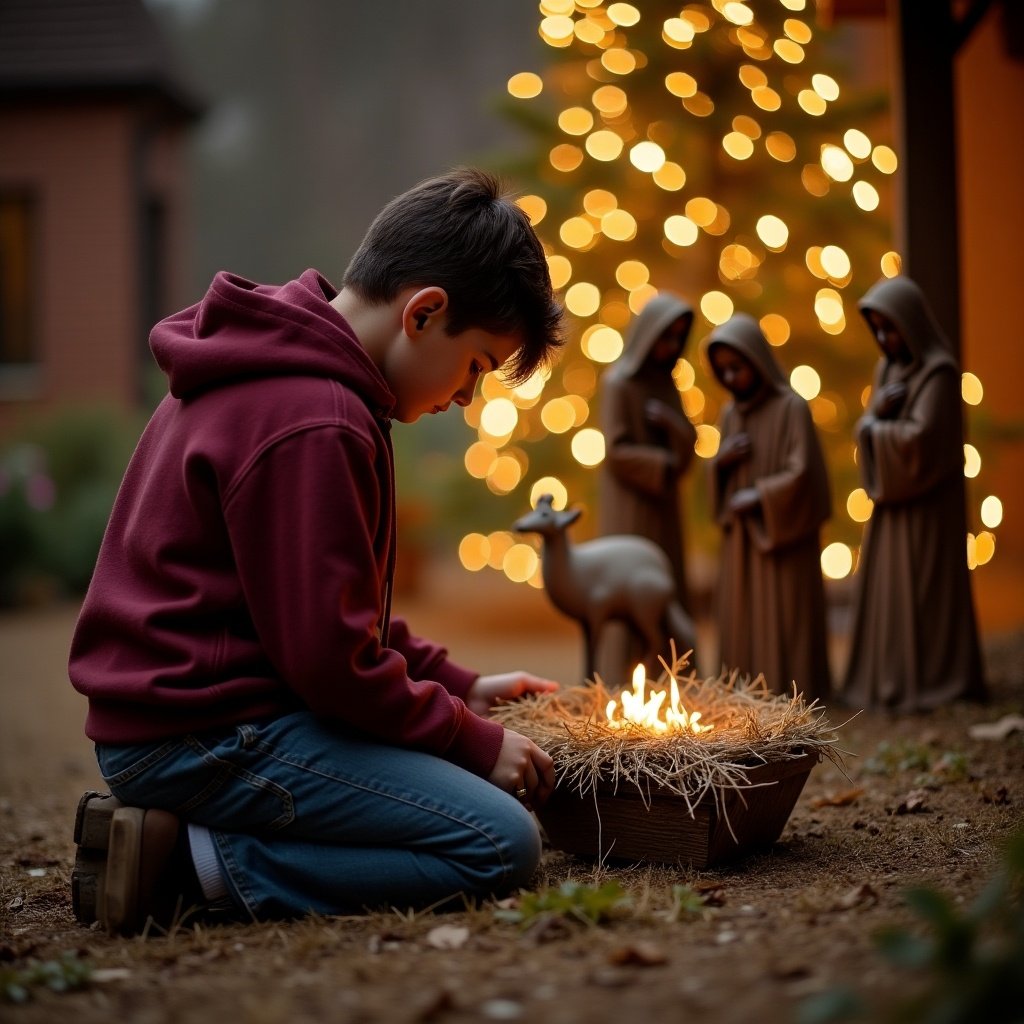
x=922 y=803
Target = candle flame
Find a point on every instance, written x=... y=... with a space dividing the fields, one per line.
x=650 y=712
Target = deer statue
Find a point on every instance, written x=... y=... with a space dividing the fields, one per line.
x=615 y=577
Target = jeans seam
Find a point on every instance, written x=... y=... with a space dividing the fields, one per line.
x=147 y=762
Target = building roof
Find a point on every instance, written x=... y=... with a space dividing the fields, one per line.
x=59 y=48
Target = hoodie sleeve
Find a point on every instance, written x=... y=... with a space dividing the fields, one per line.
x=302 y=518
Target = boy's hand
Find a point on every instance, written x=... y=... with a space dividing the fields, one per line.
x=523 y=766
x=488 y=690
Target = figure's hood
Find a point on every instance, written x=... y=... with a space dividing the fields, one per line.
x=743 y=333
x=661 y=311
x=902 y=301
x=241 y=329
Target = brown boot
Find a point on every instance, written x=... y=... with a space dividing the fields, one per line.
x=147 y=871
x=92 y=838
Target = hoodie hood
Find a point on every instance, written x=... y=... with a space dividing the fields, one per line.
x=660 y=312
x=241 y=329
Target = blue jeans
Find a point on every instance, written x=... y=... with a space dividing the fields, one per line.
x=308 y=817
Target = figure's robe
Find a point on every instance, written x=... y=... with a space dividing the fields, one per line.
x=771 y=597
x=914 y=644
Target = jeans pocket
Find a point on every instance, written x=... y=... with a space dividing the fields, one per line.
x=217 y=781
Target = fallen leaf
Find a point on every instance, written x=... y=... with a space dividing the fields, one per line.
x=843 y=798
x=999 y=730
x=448 y=936
x=640 y=954
x=862 y=895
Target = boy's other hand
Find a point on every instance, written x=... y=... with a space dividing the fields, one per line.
x=488 y=690
x=523 y=766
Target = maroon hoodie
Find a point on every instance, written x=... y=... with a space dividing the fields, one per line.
x=247 y=566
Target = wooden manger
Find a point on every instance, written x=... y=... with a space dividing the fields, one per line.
x=718 y=784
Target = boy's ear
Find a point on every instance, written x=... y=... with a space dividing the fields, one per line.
x=421 y=307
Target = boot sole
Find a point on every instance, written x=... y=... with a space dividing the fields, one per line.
x=119 y=903
x=92 y=839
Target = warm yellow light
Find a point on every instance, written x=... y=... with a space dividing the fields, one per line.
x=828 y=306
x=857 y=144
x=610 y=100
x=577 y=233
x=670 y=176
x=971 y=389
x=505 y=475
x=884 y=159
x=708 y=440
x=836 y=163
x=474 y=550
x=677 y=32
x=738 y=145
x=681 y=84
x=766 y=98
x=659 y=712
x=619 y=226
x=639 y=297
x=811 y=103
x=499 y=417
x=972 y=560
x=479 y=459
x=859 y=505
x=836 y=561
x=814 y=179
x=531 y=388
x=776 y=328
x=534 y=207
x=603 y=344
x=780 y=146
x=618 y=61
x=625 y=15
x=587 y=30
x=697 y=17
x=681 y=230
x=972 y=461
x=752 y=76
x=632 y=274
x=525 y=85
x=599 y=201
x=825 y=86
x=865 y=195
x=683 y=374
x=804 y=380
x=693 y=400
x=790 y=52
x=558 y=415
x=553 y=486
x=737 y=13
x=557 y=28
x=738 y=263
x=565 y=157
x=583 y=299
x=576 y=121
x=794 y=5
x=835 y=261
x=604 y=145
x=716 y=306
x=991 y=511
x=892 y=264
x=560 y=270
x=800 y=32
x=557 y=6
x=498 y=543
x=580 y=407
x=588 y=447
x=647 y=156
x=984 y=547
x=699 y=104
x=773 y=232
x=520 y=563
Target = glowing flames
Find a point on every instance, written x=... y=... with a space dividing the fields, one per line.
x=651 y=712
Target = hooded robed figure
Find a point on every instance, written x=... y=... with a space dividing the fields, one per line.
x=770 y=497
x=649 y=447
x=915 y=640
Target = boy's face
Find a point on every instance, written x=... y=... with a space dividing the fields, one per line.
x=734 y=371
x=435 y=369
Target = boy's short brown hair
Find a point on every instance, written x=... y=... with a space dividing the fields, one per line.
x=462 y=232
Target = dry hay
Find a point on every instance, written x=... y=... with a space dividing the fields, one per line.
x=752 y=727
